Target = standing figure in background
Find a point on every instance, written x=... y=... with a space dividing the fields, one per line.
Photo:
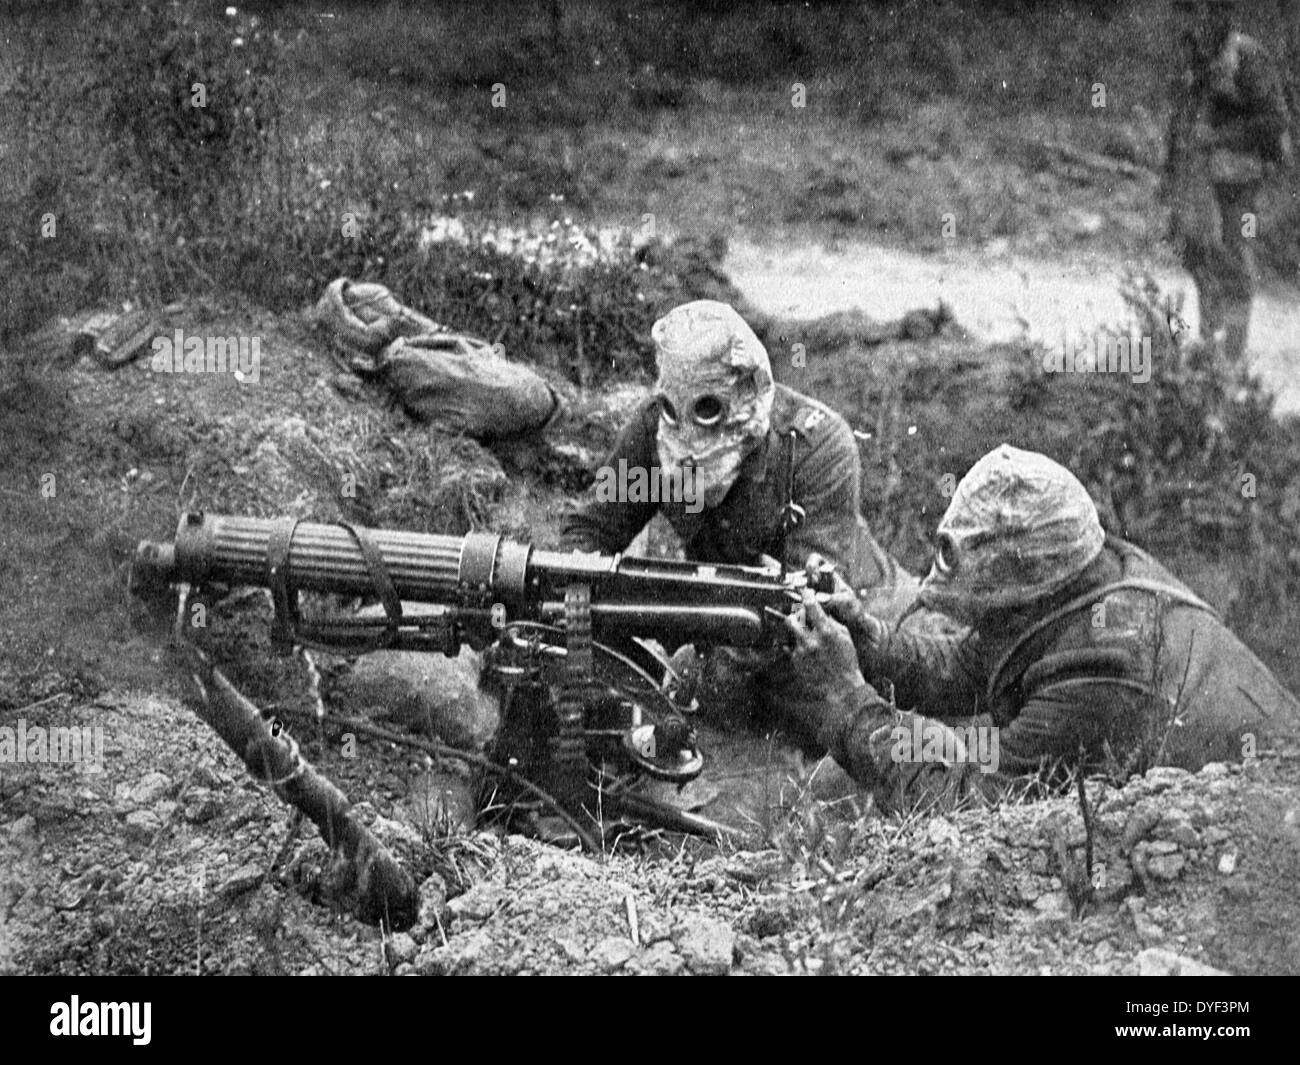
x=1229 y=128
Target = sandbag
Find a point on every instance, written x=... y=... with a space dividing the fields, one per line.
x=435 y=695
x=464 y=385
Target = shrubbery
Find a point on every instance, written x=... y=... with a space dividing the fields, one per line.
x=188 y=95
x=56 y=252
x=561 y=295
x=1203 y=462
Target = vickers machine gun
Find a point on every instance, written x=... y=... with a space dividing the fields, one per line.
x=581 y=714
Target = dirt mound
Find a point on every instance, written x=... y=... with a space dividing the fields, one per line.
x=1189 y=871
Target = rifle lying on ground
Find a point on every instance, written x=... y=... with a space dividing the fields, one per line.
x=581 y=717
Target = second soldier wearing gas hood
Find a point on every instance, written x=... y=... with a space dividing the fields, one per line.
x=1083 y=652
x=778 y=474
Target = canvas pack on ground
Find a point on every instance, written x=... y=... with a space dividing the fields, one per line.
x=463 y=384
x=457 y=382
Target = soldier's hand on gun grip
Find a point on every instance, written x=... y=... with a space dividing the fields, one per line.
x=823 y=659
x=870 y=634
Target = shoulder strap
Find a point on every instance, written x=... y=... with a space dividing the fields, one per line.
x=792 y=514
x=1142 y=584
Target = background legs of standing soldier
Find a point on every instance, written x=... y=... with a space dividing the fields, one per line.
x=1221 y=262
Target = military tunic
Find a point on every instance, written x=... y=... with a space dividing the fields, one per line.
x=1122 y=670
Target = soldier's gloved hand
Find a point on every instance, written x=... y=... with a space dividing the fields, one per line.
x=870 y=634
x=825 y=663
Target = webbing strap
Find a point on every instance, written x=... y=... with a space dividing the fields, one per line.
x=792 y=514
x=284 y=629
x=1141 y=584
x=283 y=598
x=379 y=576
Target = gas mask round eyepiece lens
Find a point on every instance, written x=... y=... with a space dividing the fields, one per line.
x=945 y=553
x=667 y=411
x=708 y=410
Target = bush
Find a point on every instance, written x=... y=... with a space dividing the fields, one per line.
x=56 y=252
x=1203 y=462
x=563 y=296
x=188 y=94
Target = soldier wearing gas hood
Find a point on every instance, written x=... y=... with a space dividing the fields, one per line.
x=779 y=473
x=1082 y=649
x=1228 y=134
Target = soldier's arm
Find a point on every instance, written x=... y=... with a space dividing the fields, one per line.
x=940 y=675
x=909 y=759
x=1259 y=90
x=894 y=755
x=609 y=525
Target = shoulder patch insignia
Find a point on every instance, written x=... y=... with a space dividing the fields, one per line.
x=815 y=417
x=1124 y=616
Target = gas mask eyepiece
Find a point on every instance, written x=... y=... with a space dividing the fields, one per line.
x=708 y=410
x=947 y=555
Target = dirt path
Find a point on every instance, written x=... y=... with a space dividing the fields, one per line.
x=997 y=296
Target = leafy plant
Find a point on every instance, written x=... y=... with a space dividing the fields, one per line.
x=189 y=94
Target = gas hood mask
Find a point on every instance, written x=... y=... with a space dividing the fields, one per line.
x=715 y=393
x=1019 y=528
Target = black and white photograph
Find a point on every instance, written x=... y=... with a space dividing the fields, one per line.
x=649 y=487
